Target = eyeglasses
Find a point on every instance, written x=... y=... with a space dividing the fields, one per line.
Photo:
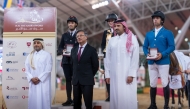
x=80 y=35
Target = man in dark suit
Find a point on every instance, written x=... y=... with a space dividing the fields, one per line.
x=85 y=65
x=68 y=38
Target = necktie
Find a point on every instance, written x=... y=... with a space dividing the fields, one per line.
x=79 y=53
x=71 y=34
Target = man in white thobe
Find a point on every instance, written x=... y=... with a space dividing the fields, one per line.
x=38 y=67
x=122 y=62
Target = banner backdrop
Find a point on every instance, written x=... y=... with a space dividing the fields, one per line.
x=21 y=26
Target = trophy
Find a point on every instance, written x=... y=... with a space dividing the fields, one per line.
x=152 y=54
x=67 y=52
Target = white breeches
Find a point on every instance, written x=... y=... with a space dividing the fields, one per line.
x=156 y=71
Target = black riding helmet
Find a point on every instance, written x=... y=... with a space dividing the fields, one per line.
x=111 y=16
x=159 y=14
x=72 y=18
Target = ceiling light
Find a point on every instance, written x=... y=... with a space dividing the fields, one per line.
x=100 y=4
x=186 y=39
x=179 y=31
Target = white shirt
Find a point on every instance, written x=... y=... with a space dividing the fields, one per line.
x=43 y=63
x=111 y=30
x=73 y=32
x=82 y=48
x=119 y=64
x=157 y=30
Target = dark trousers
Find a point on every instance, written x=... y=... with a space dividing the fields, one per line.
x=188 y=89
x=87 y=91
x=67 y=68
x=107 y=85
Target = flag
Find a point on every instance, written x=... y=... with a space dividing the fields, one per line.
x=20 y=3
x=7 y=4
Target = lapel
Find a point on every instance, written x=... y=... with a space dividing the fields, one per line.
x=112 y=34
x=153 y=33
x=68 y=35
x=160 y=31
x=84 y=51
x=76 y=53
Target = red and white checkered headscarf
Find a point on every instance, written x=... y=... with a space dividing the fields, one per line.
x=127 y=31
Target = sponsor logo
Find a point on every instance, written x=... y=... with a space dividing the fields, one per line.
x=25 y=54
x=48 y=44
x=23 y=69
x=11 y=70
x=11 y=97
x=10 y=78
x=24 y=97
x=28 y=43
x=24 y=78
x=11 y=88
x=11 y=44
x=10 y=54
x=8 y=62
x=25 y=88
x=33 y=17
x=11 y=62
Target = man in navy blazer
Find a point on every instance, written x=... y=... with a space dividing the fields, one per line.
x=163 y=40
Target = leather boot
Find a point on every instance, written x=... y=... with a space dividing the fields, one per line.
x=166 y=96
x=153 y=92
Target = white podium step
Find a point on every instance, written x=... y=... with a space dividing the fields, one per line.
x=59 y=106
x=96 y=105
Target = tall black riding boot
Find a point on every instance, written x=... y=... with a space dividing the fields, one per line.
x=153 y=92
x=108 y=90
x=69 y=101
x=166 y=96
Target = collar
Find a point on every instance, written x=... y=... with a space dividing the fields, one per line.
x=39 y=52
x=72 y=31
x=111 y=30
x=158 y=29
x=121 y=35
x=83 y=45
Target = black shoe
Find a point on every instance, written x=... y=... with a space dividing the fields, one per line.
x=72 y=104
x=68 y=103
x=166 y=108
x=152 y=107
x=108 y=99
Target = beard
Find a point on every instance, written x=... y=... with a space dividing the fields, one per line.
x=37 y=48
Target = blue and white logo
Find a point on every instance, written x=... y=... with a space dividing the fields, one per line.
x=11 y=62
x=25 y=54
x=11 y=97
x=11 y=70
